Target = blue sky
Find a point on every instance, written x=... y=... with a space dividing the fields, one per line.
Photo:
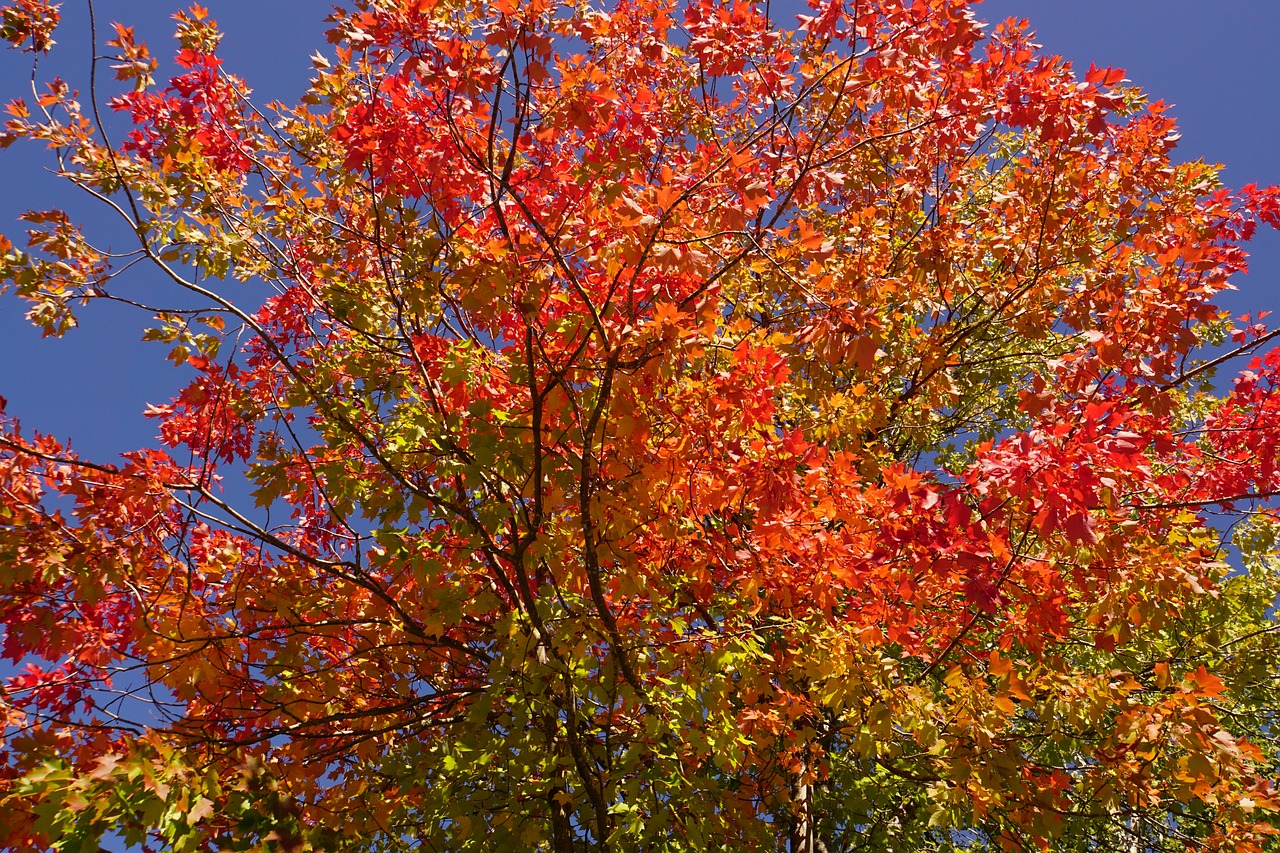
x=93 y=384
x=1217 y=62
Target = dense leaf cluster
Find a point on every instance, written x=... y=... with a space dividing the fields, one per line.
x=673 y=426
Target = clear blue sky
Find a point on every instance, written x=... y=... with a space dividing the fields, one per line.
x=1216 y=61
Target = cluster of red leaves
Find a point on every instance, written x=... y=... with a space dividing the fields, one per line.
x=29 y=21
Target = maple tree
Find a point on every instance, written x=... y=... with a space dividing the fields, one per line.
x=674 y=426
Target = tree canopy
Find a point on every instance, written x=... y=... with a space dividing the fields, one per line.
x=672 y=426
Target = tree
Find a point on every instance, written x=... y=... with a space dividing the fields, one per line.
x=671 y=428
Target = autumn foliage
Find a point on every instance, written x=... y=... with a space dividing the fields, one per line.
x=672 y=426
